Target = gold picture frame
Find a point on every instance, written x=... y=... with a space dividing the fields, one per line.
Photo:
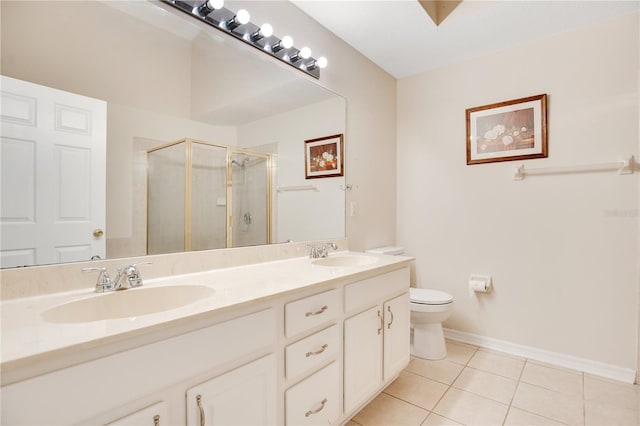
x=506 y=131
x=324 y=157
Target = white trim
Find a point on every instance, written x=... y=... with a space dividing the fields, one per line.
x=597 y=368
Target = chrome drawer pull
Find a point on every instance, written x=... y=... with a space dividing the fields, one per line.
x=390 y=322
x=310 y=412
x=324 y=308
x=319 y=351
x=381 y=322
x=199 y=402
x=156 y=420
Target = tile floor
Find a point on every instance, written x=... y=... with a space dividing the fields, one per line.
x=475 y=386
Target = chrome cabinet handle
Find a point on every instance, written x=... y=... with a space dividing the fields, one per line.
x=156 y=420
x=199 y=402
x=319 y=351
x=381 y=322
x=390 y=322
x=322 y=404
x=318 y=312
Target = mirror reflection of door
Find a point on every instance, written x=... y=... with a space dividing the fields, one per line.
x=53 y=175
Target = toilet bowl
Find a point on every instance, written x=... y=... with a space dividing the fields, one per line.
x=429 y=308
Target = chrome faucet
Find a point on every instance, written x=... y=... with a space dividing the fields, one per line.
x=321 y=250
x=128 y=277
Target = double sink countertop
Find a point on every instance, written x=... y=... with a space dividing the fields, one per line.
x=45 y=333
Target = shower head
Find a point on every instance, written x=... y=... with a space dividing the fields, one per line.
x=240 y=163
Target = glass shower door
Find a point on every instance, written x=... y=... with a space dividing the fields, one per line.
x=250 y=189
x=208 y=213
x=167 y=168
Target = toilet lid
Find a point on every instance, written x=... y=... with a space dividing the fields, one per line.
x=427 y=296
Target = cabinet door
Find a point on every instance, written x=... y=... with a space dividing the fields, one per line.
x=396 y=335
x=154 y=415
x=244 y=396
x=363 y=335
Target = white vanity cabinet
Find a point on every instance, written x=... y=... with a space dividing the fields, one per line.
x=307 y=355
x=106 y=389
x=244 y=396
x=376 y=335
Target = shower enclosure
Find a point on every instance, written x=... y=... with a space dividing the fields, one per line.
x=204 y=196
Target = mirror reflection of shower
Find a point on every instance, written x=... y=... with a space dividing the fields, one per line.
x=249 y=206
x=216 y=196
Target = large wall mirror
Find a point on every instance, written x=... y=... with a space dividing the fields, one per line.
x=181 y=104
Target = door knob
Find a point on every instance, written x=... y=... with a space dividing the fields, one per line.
x=98 y=233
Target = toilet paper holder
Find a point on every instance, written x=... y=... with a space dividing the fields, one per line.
x=479 y=284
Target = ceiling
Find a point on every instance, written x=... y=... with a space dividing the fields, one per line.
x=401 y=38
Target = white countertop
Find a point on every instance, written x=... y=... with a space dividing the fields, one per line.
x=28 y=339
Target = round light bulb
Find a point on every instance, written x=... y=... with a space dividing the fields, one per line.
x=215 y=4
x=321 y=62
x=305 y=53
x=266 y=30
x=286 y=42
x=243 y=17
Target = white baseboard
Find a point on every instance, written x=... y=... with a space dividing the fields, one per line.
x=626 y=375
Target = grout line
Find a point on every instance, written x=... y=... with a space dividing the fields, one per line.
x=515 y=391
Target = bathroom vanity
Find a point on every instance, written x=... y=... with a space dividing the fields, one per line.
x=294 y=341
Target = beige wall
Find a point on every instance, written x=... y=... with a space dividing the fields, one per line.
x=562 y=249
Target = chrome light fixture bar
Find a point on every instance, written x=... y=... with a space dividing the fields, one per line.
x=238 y=24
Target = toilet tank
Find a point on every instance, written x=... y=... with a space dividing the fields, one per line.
x=390 y=250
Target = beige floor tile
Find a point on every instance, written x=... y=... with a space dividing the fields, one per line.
x=496 y=363
x=468 y=408
x=352 y=423
x=441 y=371
x=555 y=405
x=613 y=393
x=597 y=413
x=518 y=417
x=386 y=410
x=485 y=384
x=437 y=420
x=460 y=353
x=557 y=379
x=417 y=390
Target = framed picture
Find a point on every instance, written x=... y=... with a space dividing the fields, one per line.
x=324 y=157
x=511 y=130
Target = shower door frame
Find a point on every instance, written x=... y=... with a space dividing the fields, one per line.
x=230 y=150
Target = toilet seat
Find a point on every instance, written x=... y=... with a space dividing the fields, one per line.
x=425 y=296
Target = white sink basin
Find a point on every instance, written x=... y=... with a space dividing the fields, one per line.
x=127 y=303
x=345 y=260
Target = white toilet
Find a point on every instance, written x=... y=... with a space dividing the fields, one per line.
x=429 y=308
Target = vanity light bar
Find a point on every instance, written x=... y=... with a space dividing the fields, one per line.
x=238 y=24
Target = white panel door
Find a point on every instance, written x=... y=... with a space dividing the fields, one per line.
x=53 y=163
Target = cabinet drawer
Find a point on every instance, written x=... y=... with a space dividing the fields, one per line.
x=314 y=401
x=311 y=352
x=373 y=290
x=304 y=314
x=155 y=414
